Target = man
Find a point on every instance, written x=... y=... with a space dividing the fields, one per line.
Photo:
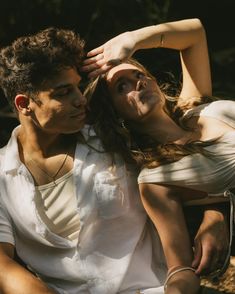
x=72 y=216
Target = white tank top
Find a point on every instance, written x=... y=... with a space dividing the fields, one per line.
x=56 y=204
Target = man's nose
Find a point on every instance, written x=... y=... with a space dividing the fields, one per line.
x=79 y=99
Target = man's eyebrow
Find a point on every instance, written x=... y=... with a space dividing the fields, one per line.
x=66 y=85
x=61 y=86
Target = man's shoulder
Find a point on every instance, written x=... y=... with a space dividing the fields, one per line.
x=10 y=150
x=2 y=153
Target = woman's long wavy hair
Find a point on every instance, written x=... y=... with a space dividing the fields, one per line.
x=122 y=138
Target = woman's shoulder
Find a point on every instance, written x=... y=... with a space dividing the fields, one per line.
x=220 y=109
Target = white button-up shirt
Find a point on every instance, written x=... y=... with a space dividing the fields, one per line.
x=115 y=252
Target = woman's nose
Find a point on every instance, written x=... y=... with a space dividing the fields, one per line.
x=141 y=84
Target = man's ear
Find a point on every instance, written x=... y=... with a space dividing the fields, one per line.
x=22 y=104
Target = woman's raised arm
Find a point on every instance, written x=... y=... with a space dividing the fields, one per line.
x=188 y=36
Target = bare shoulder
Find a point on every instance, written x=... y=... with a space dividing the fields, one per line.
x=208 y=128
x=210 y=121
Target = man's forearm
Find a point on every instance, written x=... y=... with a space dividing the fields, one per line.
x=15 y=279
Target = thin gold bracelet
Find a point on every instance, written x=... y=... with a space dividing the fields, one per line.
x=177 y=270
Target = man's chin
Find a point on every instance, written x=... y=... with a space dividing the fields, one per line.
x=76 y=129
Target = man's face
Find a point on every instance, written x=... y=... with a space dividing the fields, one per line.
x=62 y=106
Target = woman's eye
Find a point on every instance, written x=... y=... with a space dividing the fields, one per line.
x=121 y=87
x=140 y=75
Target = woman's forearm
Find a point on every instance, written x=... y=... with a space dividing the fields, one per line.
x=186 y=36
x=177 y=35
x=189 y=37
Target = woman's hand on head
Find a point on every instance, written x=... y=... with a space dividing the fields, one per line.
x=211 y=243
x=112 y=53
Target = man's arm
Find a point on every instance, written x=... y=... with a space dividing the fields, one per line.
x=14 y=278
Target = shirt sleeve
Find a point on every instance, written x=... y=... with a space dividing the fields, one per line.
x=6 y=229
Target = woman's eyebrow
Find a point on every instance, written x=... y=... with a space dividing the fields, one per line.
x=120 y=77
x=117 y=80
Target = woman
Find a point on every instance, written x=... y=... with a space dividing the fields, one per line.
x=135 y=118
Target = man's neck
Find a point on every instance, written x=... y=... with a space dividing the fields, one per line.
x=42 y=143
x=47 y=157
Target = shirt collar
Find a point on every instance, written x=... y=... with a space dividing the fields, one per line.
x=91 y=138
x=88 y=132
x=11 y=160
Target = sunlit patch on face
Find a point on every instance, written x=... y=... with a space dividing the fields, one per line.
x=63 y=108
x=133 y=92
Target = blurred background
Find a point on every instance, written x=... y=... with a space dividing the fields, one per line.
x=98 y=20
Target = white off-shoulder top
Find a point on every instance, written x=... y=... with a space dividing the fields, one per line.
x=212 y=174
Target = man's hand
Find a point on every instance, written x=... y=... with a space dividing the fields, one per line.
x=211 y=243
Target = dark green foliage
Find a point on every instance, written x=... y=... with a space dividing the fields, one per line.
x=98 y=20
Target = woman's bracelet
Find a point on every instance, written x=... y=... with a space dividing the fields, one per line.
x=177 y=270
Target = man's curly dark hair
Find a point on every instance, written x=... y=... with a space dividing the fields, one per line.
x=31 y=60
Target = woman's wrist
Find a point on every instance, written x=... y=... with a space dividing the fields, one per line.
x=177 y=35
x=181 y=279
x=148 y=37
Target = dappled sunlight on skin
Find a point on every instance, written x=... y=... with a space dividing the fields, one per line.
x=133 y=91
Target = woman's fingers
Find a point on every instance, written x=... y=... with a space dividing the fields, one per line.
x=197 y=254
x=114 y=62
x=208 y=259
x=94 y=62
x=93 y=59
x=205 y=262
x=96 y=72
x=98 y=64
x=92 y=65
x=95 y=51
x=203 y=257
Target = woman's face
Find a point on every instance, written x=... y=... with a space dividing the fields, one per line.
x=135 y=95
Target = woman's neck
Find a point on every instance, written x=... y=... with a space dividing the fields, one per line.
x=164 y=130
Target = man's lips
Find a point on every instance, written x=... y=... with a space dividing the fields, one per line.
x=78 y=114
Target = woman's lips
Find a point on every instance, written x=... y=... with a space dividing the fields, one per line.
x=145 y=95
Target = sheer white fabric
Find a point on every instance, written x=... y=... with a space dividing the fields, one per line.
x=116 y=251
